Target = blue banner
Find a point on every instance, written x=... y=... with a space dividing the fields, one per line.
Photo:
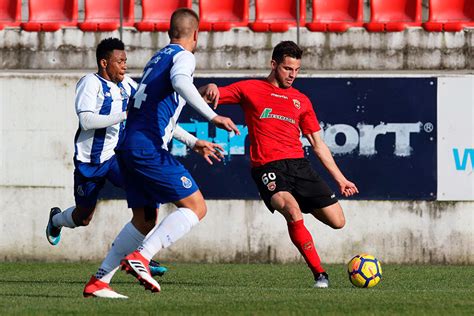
x=381 y=131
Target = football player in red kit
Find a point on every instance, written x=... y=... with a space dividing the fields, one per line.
x=276 y=114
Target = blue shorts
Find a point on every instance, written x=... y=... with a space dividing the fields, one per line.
x=90 y=178
x=154 y=177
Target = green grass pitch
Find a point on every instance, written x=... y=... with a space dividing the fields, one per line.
x=245 y=289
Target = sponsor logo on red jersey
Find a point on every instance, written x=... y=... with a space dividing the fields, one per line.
x=281 y=96
x=267 y=113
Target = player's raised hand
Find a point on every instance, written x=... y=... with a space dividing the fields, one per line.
x=209 y=150
x=348 y=188
x=210 y=94
x=225 y=123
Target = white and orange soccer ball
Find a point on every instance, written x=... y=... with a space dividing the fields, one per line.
x=364 y=270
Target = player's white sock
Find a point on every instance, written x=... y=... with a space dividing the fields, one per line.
x=126 y=241
x=64 y=218
x=171 y=228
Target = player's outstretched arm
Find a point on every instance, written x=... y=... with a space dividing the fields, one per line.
x=186 y=89
x=184 y=86
x=323 y=153
x=210 y=94
x=206 y=149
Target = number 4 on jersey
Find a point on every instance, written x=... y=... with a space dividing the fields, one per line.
x=140 y=95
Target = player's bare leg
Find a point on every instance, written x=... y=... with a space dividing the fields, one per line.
x=144 y=219
x=72 y=217
x=82 y=215
x=331 y=215
x=195 y=202
x=286 y=204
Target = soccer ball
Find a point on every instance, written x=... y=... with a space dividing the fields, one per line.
x=364 y=270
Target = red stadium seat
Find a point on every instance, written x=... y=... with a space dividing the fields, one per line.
x=277 y=15
x=336 y=15
x=450 y=16
x=393 y=15
x=10 y=13
x=156 y=14
x=51 y=15
x=222 y=15
x=104 y=16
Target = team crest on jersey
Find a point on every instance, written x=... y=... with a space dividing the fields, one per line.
x=271 y=186
x=297 y=104
x=186 y=182
x=123 y=93
x=80 y=191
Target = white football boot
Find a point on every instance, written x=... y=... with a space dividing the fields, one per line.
x=321 y=281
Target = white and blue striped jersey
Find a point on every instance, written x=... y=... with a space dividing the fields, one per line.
x=156 y=106
x=100 y=96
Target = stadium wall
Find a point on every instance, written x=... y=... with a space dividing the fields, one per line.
x=241 y=49
x=37 y=128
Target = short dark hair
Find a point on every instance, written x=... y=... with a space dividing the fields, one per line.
x=106 y=47
x=286 y=49
x=178 y=29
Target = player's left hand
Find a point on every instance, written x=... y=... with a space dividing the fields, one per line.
x=209 y=150
x=348 y=188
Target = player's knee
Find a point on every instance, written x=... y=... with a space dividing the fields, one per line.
x=292 y=213
x=82 y=216
x=195 y=203
x=338 y=223
x=86 y=220
x=201 y=210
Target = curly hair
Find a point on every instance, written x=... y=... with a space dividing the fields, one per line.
x=106 y=47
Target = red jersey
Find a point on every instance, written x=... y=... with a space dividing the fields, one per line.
x=274 y=117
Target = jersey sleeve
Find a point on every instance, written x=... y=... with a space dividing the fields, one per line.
x=181 y=76
x=184 y=64
x=132 y=83
x=308 y=121
x=87 y=90
x=231 y=94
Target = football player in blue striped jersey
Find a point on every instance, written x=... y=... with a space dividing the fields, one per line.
x=101 y=105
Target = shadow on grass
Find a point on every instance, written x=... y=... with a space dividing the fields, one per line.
x=121 y=282
x=31 y=295
x=200 y=284
x=40 y=282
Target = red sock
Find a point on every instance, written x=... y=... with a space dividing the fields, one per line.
x=302 y=239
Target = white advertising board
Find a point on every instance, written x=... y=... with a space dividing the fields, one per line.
x=456 y=138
